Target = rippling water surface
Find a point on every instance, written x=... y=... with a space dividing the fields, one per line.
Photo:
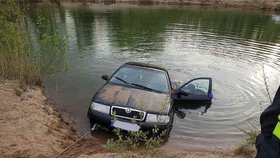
x=239 y=49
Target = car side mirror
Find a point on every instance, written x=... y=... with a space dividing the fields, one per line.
x=105 y=77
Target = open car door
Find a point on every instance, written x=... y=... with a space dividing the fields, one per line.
x=196 y=90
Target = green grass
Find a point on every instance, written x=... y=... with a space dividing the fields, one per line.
x=137 y=144
x=18 y=58
x=247 y=148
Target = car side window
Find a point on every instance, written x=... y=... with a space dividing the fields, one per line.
x=197 y=87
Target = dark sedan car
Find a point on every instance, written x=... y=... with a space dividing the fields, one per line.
x=140 y=96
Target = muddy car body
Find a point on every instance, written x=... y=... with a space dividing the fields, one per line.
x=140 y=96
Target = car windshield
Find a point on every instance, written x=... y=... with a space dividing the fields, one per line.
x=141 y=77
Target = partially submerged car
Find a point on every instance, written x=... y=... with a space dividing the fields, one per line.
x=140 y=96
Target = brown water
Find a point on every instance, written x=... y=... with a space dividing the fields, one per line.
x=239 y=49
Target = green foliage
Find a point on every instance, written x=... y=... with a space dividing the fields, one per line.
x=247 y=148
x=136 y=144
x=19 y=59
x=251 y=136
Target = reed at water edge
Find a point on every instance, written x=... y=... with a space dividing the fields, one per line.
x=19 y=59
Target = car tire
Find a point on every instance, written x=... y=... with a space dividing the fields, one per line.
x=167 y=131
x=169 y=128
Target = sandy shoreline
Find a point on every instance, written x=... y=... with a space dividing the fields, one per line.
x=31 y=127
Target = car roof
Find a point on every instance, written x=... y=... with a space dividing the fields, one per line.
x=146 y=65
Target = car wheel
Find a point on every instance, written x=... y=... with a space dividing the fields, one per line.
x=167 y=132
x=169 y=128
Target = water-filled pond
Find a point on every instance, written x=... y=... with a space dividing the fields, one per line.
x=239 y=49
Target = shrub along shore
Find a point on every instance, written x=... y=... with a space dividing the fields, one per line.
x=26 y=56
x=270 y=5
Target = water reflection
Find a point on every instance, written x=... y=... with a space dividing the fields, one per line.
x=191 y=109
x=276 y=18
x=137 y=31
x=84 y=25
x=234 y=47
x=47 y=19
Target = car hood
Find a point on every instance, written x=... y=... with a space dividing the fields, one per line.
x=134 y=98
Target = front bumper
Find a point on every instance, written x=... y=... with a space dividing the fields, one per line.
x=106 y=120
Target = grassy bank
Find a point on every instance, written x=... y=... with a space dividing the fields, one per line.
x=272 y=5
x=23 y=55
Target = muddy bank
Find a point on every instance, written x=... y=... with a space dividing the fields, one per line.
x=31 y=127
x=272 y=5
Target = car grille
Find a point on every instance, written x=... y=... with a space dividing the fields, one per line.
x=128 y=113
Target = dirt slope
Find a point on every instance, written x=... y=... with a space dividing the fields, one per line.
x=29 y=127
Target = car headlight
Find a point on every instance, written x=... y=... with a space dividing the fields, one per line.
x=153 y=118
x=100 y=107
